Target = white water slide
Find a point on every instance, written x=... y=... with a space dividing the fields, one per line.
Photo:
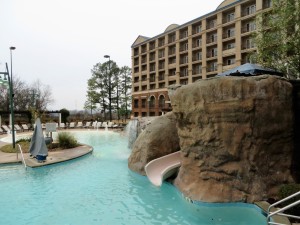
x=161 y=168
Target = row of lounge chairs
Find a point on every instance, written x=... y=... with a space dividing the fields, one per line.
x=7 y=129
x=90 y=125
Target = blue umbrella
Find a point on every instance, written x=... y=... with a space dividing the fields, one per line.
x=249 y=69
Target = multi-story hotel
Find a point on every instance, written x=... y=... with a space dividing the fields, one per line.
x=198 y=49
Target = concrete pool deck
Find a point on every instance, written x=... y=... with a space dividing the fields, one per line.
x=52 y=158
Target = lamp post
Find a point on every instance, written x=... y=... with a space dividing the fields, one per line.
x=11 y=71
x=109 y=87
x=8 y=81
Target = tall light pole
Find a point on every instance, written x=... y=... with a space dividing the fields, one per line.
x=10 y=86
x=11 y=71
x=109 y=87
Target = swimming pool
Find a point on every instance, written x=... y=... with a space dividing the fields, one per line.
x=100 y=189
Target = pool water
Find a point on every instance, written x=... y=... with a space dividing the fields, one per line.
x=100 y=189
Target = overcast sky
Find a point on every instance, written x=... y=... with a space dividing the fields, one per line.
x=59 y=41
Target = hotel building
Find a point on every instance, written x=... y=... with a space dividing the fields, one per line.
x=198 y=49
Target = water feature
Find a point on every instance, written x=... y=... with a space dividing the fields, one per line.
x=132 y=131
x=100 y=189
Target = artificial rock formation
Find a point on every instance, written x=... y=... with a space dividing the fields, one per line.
x=159 y=138
x=235 y=137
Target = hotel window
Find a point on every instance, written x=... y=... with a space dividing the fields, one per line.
x=250 y=10
x=213 y=52
x=172 y=60
x=198 y=42
x=184 y=72
x=162 y=85
x=250 y=43
x=172 y=37
x=161 y=65
x=197 y=70
x=152 y=102
x=136 y=103
x=184 y=59
x=161 y=101
x=230 y=17
x=230 y=32
x=161 y=53
x=251 y=26
x=144 y=103
x=267 y=4
x=198 y=56
x=230 y=61
x=161 y=42
x=161 y=76
x=172 y=50
x=172 y=82
x=172 y=72
x=230 y=46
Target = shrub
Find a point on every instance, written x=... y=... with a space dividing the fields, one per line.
x=287 y=190
x=67 y=140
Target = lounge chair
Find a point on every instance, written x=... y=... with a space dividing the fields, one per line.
x=87 y=125
x=110 y=124
x=6 y=128
x=18 y=128
x=99 y=124
x=2 y=131
x=104 y=124
x=62 y=125
x=79 y=125
x=25 y=127
x=94 y=125
x=72 y=125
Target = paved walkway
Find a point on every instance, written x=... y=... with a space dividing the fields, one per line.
x=53 y=157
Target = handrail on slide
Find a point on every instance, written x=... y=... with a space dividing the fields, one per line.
x=279 y=212
x=23 y=160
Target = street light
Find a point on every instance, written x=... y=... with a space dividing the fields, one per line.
x=8 y=81
x=109 y=87
x=11 y=73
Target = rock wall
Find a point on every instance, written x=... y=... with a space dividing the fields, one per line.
x=236 y=137
x=157 y=139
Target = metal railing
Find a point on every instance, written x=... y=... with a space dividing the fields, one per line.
x=279 y=212
x=23 y=160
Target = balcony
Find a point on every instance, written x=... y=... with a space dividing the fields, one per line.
x=212 y=39
x=211 y=24
x=211 y=54
x=183 y=34
x=172 y=52
x=228 y=34
x=211 y=69
x=249 y=28
x=161 y=43
x=171 y=39
x=229 y=51
x=249 y=10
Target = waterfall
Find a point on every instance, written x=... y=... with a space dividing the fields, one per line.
x=132 y=131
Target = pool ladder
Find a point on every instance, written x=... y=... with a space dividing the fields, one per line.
x=280 y=212
x=23 y=160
